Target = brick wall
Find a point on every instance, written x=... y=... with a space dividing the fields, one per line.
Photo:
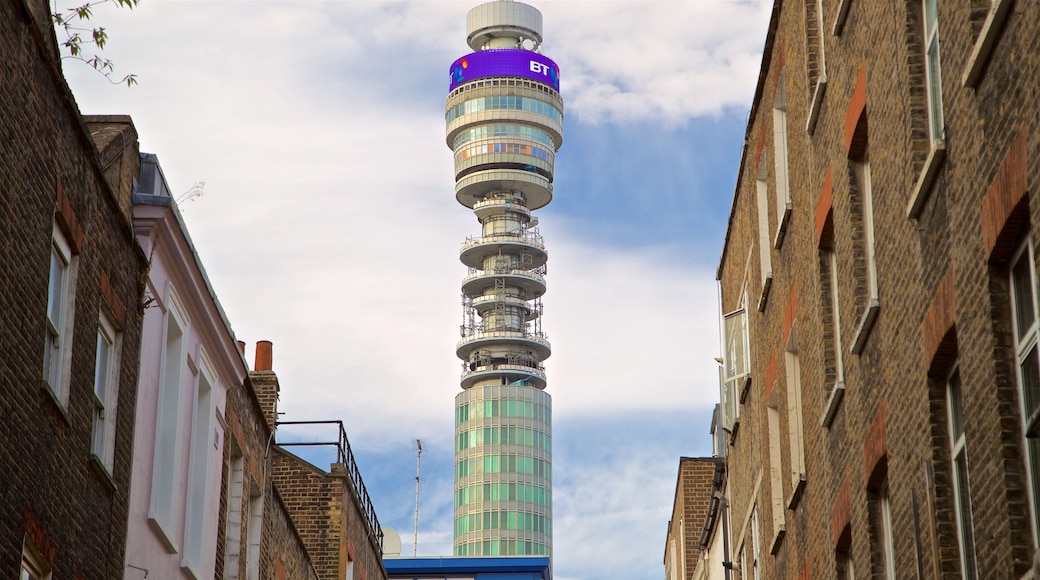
x=55 y=494
x=249 y=438
x=327 y=513
x=689 y=510
x=945 y=223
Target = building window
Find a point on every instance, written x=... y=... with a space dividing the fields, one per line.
x=846 y=571
x=884 y=533
x=237 y=524
x=776 y=478
x=165 y=470
x=256 y=522
x=764 y=247
x=780 y=162
x=756 y=546
x=961 y=490
x=861 y=174
x=736 y=369
x=202 y=446
x=792 y=365
x=936 y=123
x=34 y=566
x=57 y=354
x=835 y=355
x=1024 y=321
x=106 y=392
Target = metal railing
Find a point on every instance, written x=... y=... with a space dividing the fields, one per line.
x=345 y=457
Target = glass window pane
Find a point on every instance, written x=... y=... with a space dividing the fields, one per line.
x=964 y=513
x=1030 y=381
x=1022 y=287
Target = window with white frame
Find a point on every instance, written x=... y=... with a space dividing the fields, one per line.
x=1024 y=321
x=57 y=355
x=817 y=62
x=831 y=258
x=764 y=247
x=775 y=468
x=106 y=392
x=201 y=454
x=936 y=124
x=780 y=163
x=166 y=470
x=256 y=521
x=861 y=168
x=846 y=571
x=885 y=534
x=961 y=489
x=756 y=546
x=736 y=363
x=792 y=366
x=34 y=566
x=861 y=174
x=237 y=523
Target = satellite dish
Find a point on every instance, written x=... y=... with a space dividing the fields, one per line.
x=527 y=44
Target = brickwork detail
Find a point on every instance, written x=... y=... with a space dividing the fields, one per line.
x=1005 y=212
x=938 y=341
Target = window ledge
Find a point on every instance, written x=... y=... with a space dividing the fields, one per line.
x=103 y=472
x=764 y=297
x=796 y=493
x=923 y=186
x=778 y=539
x=781 y=228
x=188 y=569
x=987 y=40
x=745 y=387
x=837 y=393
x=866 y=324
x=839 y=19
x=168 y=541
x=62 y=408
x=816 y=105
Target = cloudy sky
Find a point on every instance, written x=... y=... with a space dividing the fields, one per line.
x=328 y=225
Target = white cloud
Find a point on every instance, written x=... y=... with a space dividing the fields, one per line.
x=609 y=515
x=660 y=61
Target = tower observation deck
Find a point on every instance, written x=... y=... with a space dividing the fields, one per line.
x=504 y=117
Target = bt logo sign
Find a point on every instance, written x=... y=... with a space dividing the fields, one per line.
x=547 y=71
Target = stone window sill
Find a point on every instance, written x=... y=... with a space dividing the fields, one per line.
x=866 y=325
x=842 y=15
x=764 y=296
x=778 y=539
x=796 y=493
x=984 y=45
x=781 y=230
x=816 y=105
x=833 y=401
x=923 y=186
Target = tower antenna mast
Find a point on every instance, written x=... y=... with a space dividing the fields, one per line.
x=418 y=471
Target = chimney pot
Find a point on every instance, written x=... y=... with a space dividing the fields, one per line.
x=241 y=347
x=263 y=355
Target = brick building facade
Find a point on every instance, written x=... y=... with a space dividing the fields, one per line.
x=331 y=509
x=69 y=296
x=689 y=512
x=879 y=291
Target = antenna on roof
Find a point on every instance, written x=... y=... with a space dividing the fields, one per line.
x=418 y=471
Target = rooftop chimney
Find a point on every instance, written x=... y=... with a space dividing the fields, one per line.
x=263 y=356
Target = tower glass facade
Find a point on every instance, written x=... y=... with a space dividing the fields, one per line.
x=504 y=118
